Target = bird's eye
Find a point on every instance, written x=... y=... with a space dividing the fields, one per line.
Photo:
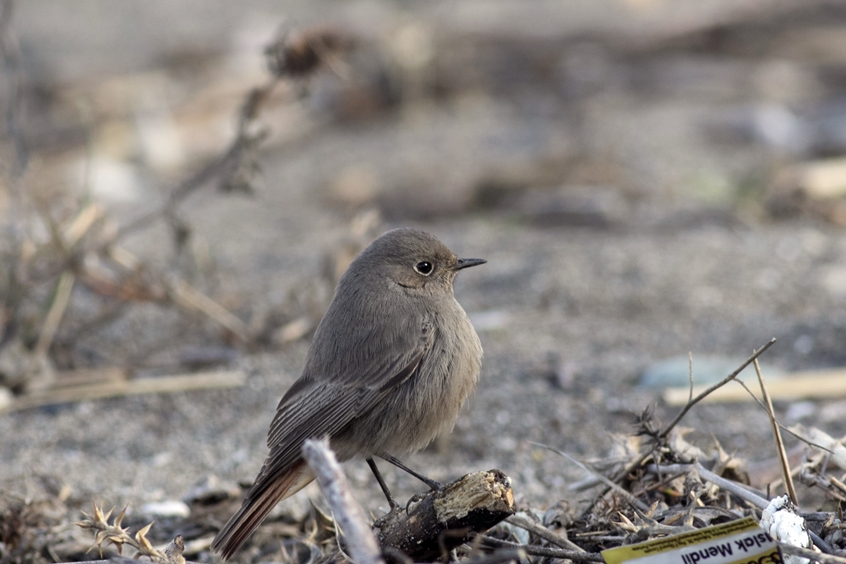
x=423 y=267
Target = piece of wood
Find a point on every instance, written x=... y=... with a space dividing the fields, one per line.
x=797 y=385
x=444 y=519
x=89 y=376
x=360 y=541
x=165 y=384
x=190 y=298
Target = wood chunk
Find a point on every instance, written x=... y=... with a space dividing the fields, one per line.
x=444 y=519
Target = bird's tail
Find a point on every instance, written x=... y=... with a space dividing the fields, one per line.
x=254 y=509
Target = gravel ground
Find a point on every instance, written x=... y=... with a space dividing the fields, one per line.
x=671 y=273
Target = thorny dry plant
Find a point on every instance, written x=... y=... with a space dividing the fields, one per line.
x=59 y=242
x=114 y=534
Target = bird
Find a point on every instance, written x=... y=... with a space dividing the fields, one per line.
x=390 y=366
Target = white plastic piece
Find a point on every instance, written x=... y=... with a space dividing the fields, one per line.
x=780 y=520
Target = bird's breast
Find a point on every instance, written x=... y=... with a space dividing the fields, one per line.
x=428 y=403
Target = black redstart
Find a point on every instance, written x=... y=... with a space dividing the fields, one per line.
x=388 y=370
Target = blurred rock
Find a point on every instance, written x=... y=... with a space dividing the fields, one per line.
x=355 y=186
x=573 y=206
x=489 y=320
x=170 y=508
x=833 y=280
x=559 y=190
x=799 y=410
x=210 y=490
x=832 y=412
x=111 y=180
x=815 y=188
x=197 y=357
x=293 y=331
x=425 y=195
x=675 y=372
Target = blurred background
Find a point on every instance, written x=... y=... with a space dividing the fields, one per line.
x=183 y=183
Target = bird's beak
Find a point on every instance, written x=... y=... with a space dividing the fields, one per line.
x=467 y=263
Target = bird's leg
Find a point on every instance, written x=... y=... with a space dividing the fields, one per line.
x=391 y=501
x=398 y=463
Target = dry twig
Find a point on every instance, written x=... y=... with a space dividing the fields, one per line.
x=611 y=485
x=785 y=467
x=716 y=386
x=360 y=540
x=573 y=555
x=543 y=533
x=100 y=390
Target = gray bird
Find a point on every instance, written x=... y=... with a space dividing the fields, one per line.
x=388 y=370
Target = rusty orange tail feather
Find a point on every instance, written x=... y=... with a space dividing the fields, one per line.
x=254 y=510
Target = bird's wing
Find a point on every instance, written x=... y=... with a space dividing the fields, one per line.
x=315 y=408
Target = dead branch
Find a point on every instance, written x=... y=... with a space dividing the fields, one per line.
x=629 y=497
x=665 y=433
x=360 y=541
x=443 y=519
x=716 y=386
x=546 y=551
x=543 y=533
x=785 y=466
x=813 y=555
x=735 y=488
x=100 y=390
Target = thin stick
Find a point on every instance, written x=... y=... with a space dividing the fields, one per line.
x=734 y=488
x=543 y=533
x=780 y=425
x=546 y=551
x=54 y=316
x=498 y=556
x=629 y=497
x=718 y=385
x=690 y=376
x=233 y=153
x=190 y=298
x=81 y=224
x=348 y=513
x=811 y=554
x=785 y=465
x=102 y=390
x=663 y=435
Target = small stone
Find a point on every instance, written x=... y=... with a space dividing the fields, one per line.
x=169 y=508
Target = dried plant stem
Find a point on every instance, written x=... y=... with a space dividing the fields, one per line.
x=629 y=497
x=361 y=542
x=54 y=316
x=734 y=488
x=546 y=551
x=780 y=426
x=189 y=297
x=498 y=556
x=109 y=389
x=665 y=433
x=785 y=466
x=543 y=533
x=813 y=555
x=81 y=224
x=244 y=138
